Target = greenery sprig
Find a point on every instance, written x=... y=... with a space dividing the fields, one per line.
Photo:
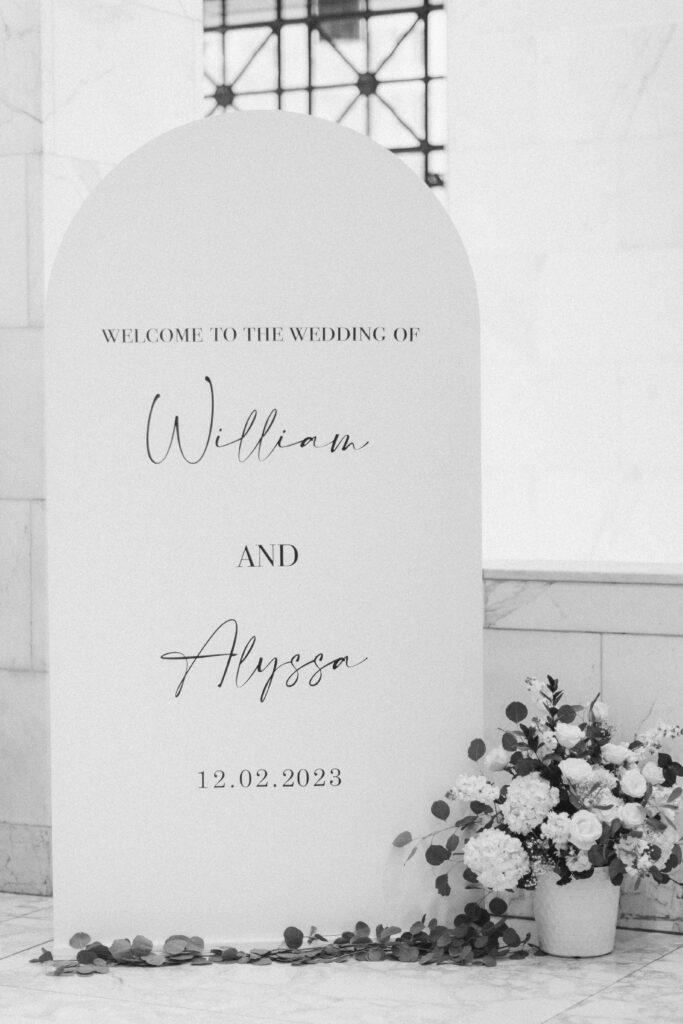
x=477 y=937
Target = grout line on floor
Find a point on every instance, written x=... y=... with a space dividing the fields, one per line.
x=612 y=984
x=26 y=949
x=20 y=917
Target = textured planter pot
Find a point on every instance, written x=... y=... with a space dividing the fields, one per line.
x=578 y=919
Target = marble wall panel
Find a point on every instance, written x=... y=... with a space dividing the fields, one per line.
x=25 y=859
x=579 y=607
x=609 y=80
x=15 y=584
x=20 y=77
x=612 y=307
x=14 y=311
x=21 y=414
x=39 y=637
x=24 y=748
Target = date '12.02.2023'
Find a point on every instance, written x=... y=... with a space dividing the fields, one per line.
x=263 y=778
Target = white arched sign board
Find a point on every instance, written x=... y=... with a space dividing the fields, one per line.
x=264 y=516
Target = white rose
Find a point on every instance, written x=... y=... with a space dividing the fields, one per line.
x=632 y=815
x=584 y=829
x=633 y=783
x=575 y=769
x=496 y=759
x=600 y=711
x=568 y=735
x=653 y=773
x=615 y=753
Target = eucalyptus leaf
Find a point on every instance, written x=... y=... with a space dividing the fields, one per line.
x=511 y=937
x=436 y=854
x=476 y=750
x=294 y=937
x=172 y=946
x=155 y=959
x=86 y=956
x=516 y=711
x=452 y=842
x=121 y=949
x=440 y=809
x=442 y=885
x=498 y=906
x=141 y=946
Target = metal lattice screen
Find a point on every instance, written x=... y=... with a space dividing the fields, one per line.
x=374 y=65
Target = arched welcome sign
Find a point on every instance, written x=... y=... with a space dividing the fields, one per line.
x=264 y=574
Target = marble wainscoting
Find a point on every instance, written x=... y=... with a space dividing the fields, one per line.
x=617 y=631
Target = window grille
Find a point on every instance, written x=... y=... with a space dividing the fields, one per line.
x=374 y=65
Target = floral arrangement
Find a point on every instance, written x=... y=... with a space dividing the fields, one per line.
x=575 y=799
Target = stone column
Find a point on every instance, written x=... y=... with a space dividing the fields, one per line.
x=82 y=85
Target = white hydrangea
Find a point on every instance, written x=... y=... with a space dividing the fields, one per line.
x=635 y=851
x=627 y=849
x=473 y=787
x=556 y=829
x=665 y=841
x=528 y=802
x=498 y=860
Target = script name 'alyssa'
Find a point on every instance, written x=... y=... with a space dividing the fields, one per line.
x=241 y=666
x=253 y=440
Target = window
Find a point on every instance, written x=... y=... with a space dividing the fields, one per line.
x=374 y=65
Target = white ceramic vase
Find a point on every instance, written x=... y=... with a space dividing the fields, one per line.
x=577 y=919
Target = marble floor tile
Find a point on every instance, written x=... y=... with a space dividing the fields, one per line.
x=642 y=973
x=649 y=995
x=20 y=1006
x=14 y=904
x=21 y=933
